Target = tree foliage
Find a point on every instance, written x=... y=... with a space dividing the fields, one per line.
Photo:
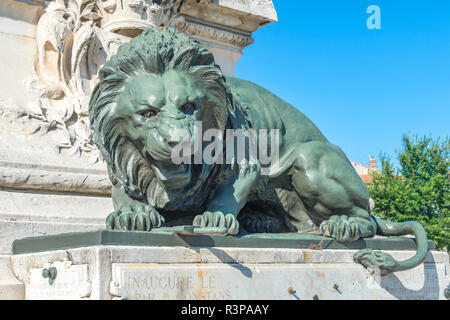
x=419 y=189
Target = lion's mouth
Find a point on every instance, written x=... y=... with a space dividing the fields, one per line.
x=170 y=175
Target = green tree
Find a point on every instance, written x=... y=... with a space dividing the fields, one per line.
x=419 y=189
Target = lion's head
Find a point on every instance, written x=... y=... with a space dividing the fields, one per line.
x=159 y=82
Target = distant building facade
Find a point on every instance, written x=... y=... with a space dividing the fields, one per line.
x=364 y=171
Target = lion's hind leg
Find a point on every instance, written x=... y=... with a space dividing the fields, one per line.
x=332 y=191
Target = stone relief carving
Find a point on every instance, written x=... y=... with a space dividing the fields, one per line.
x=65 y=65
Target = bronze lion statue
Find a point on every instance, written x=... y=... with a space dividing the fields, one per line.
x=161 y=82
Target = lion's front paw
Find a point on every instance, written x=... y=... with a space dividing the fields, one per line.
x=216 y=223
x=342 y=228
x=135 y=217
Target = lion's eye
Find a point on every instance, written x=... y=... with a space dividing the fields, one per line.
x=150 y=113
x=187 y=107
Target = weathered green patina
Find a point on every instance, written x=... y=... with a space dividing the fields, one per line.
x=163 y=81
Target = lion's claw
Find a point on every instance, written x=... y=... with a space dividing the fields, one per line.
x=342 y=228
x=217 y=222
x=135 y=217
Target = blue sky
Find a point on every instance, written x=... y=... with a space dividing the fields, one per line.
x=363 y=88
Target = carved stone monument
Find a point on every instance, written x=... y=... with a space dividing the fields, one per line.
x=113 y=84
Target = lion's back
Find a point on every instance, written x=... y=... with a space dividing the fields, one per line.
x=267 y=111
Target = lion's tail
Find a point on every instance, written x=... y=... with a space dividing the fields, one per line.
x=384 y=261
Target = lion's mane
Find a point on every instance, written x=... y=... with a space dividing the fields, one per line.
x=155 y=51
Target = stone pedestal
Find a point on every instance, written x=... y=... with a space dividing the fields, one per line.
x=156 y=265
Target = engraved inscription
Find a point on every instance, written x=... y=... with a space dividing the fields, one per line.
x=144 y=285
x=183 y=281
